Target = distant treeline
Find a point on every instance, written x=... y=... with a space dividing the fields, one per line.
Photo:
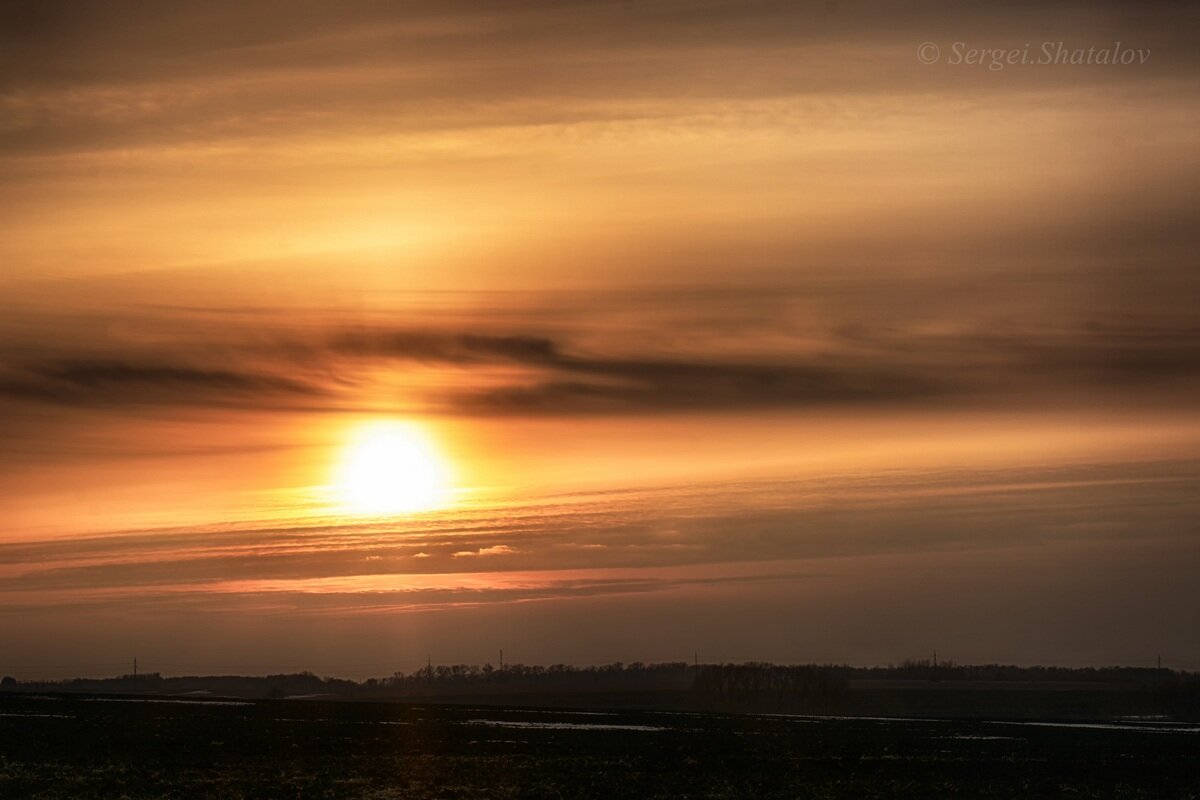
x=718 y=682
x=707 y=685
x=927 y=670
x=807 y=688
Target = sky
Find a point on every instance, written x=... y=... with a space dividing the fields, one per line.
x=345 y=336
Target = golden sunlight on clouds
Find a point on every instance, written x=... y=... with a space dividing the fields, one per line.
x=392 y=467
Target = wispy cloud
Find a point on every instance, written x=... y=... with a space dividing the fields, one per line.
x=493 y=550
x=113 y=382
x=935 y=361
x=89 y=76
x=453 y=557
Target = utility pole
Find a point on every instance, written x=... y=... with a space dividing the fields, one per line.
x=135 y=667
x=696 y=659
x=502 y=659
x=1158 y=694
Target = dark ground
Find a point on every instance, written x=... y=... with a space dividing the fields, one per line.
x=91 y=747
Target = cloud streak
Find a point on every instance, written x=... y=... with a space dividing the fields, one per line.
x=89 y=76
x=486 y=374
x=715 y=527
x=113 y=382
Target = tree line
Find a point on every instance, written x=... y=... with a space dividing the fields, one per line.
x=759 y=686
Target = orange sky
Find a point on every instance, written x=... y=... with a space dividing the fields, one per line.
x=729 y=326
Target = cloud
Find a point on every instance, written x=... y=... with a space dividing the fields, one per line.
x=86 y=75
x=81 y=381
x=440 y=346
x=623 y=384
x=931 y=357
x=493 y=550
x=656 y=386
x=677 y=528
x=336 y=598
x=850 y=366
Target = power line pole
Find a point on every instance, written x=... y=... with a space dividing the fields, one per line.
x=1158 y=695
x=502 y=659
x=134 y=667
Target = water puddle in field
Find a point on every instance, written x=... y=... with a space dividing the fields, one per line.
x=1156 y=727
x=562 y=713
x=165 y=700
x=334 y=721
x=847 y=718
x=977 y=737
x=562 y=726
x=1124 y=724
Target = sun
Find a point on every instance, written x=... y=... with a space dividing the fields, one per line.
x=390 y=468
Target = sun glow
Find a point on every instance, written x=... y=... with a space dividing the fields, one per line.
x=392 y=467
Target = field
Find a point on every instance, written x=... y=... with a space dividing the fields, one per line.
x=106 y=747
